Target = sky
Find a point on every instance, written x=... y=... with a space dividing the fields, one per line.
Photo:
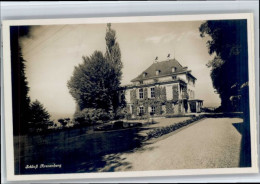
x=52 y=51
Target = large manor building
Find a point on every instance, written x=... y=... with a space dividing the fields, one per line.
x=165 y=87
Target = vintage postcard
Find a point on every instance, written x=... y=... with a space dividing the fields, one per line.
x=129 y=96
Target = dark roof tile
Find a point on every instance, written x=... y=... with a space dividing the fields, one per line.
x=165 y=68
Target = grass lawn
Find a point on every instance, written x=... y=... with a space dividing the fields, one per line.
x=79 y=150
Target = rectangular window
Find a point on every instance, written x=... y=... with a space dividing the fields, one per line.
x=153 y=109
x=173 y=69
x=141 y=93
x=152 y=93
x=141 y=110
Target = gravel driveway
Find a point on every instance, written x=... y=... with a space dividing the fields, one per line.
x=210 y=143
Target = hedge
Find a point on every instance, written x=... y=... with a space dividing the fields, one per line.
x=158 y=132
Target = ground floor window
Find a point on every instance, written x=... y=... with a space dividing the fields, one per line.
x=153 y=109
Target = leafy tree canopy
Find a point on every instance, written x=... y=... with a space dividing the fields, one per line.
x=90 y=84
x=229 y=68
x=96 y=81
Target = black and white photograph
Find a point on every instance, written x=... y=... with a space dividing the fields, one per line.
x=160 y=94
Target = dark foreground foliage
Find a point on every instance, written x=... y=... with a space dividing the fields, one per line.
x=77 y=150
x=28 y=116
x=229 y=44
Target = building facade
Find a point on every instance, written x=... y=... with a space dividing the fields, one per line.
x=165 y=87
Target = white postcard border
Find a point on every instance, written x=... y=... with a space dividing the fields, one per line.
x=8 y=97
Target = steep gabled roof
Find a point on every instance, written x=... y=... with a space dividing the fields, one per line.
x=165 y=68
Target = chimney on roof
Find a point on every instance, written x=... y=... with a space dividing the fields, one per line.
x=156 y=59
x=169 y=56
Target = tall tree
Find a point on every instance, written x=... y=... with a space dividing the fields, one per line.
x=40 y=116
x=90 y=84
x=95 y=82
x=20 y=89
x=113 y=56
x=229 y=68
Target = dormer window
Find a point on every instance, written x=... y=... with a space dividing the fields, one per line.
x=158 y=72
x=173 y=69
x=144 y=74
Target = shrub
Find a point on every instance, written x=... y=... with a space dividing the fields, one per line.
x=165 y=130
x=120 y=113
x=40 y=127
x=89 y=116
x=120 y=116
x=128 y=116
x=118 y=124
x=64 y=122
